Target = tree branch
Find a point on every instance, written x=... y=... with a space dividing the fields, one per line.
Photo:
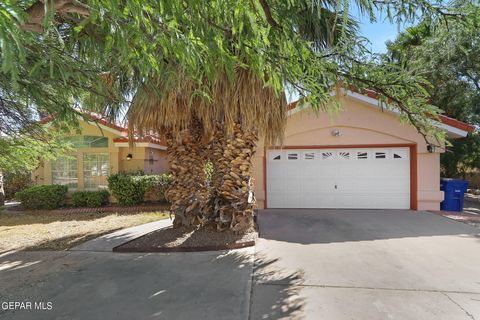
x=268 y=14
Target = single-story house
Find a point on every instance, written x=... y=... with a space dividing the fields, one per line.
x=101 y=149
x=361 y=157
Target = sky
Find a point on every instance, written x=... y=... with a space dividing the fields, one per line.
x=379 y=32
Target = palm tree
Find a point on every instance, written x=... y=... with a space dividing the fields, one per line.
x=223 y=131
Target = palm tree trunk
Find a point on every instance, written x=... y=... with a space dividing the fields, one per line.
x=189 y=193
x=232 y=187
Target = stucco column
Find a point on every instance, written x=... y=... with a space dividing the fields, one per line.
x=80 y=175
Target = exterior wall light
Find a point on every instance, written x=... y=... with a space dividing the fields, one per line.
x=431 y=148
x=336 y=133
x=129 y=157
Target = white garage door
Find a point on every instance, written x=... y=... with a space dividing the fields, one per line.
x=369 y=178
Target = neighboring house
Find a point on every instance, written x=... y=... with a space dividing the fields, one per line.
x=361 y=157
x=101 y=149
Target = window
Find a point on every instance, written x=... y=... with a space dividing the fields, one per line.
x=96 y=168
x=88 y=141
x=344 y=155
x=380 y=155
x=292 y=156
x=309 y=155
x=64 y=172
x=327 y=155
x=362 y=155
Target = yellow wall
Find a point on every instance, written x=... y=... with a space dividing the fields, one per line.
x=137 y=162
x=118 y=155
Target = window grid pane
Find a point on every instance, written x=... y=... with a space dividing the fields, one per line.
x=88 y=141
x=64 y=172
x=96 y=168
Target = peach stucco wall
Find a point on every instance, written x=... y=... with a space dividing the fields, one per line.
x=359 y=124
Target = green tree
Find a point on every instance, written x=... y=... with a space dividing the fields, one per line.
x=25 y=152
x=56 y=54
x=448 y=56
x=187 y=70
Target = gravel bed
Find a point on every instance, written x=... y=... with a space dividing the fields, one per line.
x=185 y=239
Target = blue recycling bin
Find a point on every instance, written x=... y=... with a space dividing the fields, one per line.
x=454 y=193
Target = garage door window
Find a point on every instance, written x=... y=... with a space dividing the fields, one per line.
x=327 y=155
x=362 y=155
x=275 y=156
x=292 y=156
x=380 y=155
x=344 y=155
x=309 y=156
x=399 y=154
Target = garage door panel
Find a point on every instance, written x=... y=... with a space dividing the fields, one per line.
x=339 y=178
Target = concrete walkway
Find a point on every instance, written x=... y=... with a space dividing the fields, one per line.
x=365 y=264
x=109 y=241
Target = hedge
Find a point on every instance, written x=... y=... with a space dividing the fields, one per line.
x=90 y=199
x=43 y=197
x=130 y=189
x=157 y=185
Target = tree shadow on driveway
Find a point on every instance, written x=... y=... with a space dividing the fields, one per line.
x=275 y=294
x=103 y=285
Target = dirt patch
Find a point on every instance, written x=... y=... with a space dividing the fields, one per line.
x=187 y=239
x=61 y=231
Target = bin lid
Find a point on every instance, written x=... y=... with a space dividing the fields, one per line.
x=453 y=180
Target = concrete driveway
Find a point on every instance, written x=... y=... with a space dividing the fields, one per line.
x=365 y=264
x=308 y=264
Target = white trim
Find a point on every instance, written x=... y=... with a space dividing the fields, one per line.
x=140 y=145
x=455 y=132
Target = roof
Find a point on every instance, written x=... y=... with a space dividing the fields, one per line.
x=143 y=139
x=460 y=125
x=121 y=131
x=93 y=117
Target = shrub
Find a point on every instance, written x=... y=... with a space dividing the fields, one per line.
x=128 y=189
x=91 y=199
x=157 y=185
x=15 y=182
x=42 y=197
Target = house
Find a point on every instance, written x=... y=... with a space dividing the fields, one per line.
x=361 y=157
x=101 y=149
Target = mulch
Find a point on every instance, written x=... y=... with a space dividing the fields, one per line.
x=189 y=239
